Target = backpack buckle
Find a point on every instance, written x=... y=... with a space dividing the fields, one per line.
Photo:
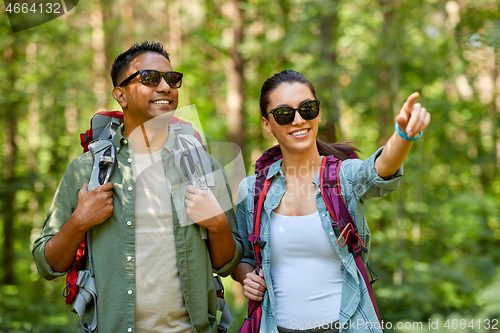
x=83 y=276
x=356 y=250
x=104 y=153
x=256 y=240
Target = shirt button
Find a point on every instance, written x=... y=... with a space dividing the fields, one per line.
x=125 y=142
x=129 y=223
x=129 y=329
x=129 y=258
x=324 y=215
x=130 y=188
x=331 y=233
x=129 y=160
x=130 y=292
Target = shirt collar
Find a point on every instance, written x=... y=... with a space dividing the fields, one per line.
x=119 y=140
x=276 y=168
x=316 y=180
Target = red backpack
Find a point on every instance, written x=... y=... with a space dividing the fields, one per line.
x=342 y=224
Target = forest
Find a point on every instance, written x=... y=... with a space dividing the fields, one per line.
x=435 y=241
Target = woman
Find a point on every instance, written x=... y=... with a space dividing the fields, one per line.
x=309 y=283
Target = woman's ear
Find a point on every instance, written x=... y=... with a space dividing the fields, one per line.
x=119 y=96
x=267 y=126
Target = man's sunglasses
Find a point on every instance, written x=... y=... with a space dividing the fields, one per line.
x=285 y=115
x=152 y=78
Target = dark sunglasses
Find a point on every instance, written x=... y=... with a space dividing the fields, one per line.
x=285 y=115
x=152 y=78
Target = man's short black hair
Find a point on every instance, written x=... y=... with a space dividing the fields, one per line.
x=123 y=60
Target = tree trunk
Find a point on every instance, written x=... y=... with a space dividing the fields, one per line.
x=9 y=175
x=496 y=113
x=386 y=76
x=174 y=29
x=329 y=84
x=389 y=85
x=235 y=80
x=283 y=60
x=127 y=14
x=100 y=64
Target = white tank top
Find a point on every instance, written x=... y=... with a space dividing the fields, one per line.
x=305 y=270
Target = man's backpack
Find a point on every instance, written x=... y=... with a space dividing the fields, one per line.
x=80 y=291
x=342 y=224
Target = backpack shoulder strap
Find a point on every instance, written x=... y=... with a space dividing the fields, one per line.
x=194 y=158
x=332 y=195
x=103 y=125
x=187 y=128
x=261 y=188
x=192 y=154
x=87 y=291
x=191 y=160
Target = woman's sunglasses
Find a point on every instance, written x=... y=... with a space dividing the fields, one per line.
x=285 y=115
x=152 y=78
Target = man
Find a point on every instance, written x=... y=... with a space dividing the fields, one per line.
x=153 y=270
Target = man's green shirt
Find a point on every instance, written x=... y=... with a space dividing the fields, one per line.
x=113 y=241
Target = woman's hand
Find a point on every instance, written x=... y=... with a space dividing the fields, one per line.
x=413 y=118
x=254 y=285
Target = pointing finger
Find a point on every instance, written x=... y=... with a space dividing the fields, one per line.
x=410 y=102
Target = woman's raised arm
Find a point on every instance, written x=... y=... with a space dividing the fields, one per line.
x=411 y=120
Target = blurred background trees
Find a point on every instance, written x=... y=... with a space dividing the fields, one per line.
x=436 y=241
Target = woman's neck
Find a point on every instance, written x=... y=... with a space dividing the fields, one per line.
x=304 y=165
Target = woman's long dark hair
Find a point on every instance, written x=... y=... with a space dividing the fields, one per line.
x=341 y=151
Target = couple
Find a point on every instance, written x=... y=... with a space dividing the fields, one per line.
x=154 y=271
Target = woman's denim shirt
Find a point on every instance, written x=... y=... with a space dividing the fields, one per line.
x=359 y=182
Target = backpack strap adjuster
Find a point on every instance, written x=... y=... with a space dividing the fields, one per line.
x=356 y=250
x=83 y=277
x=256 y=240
